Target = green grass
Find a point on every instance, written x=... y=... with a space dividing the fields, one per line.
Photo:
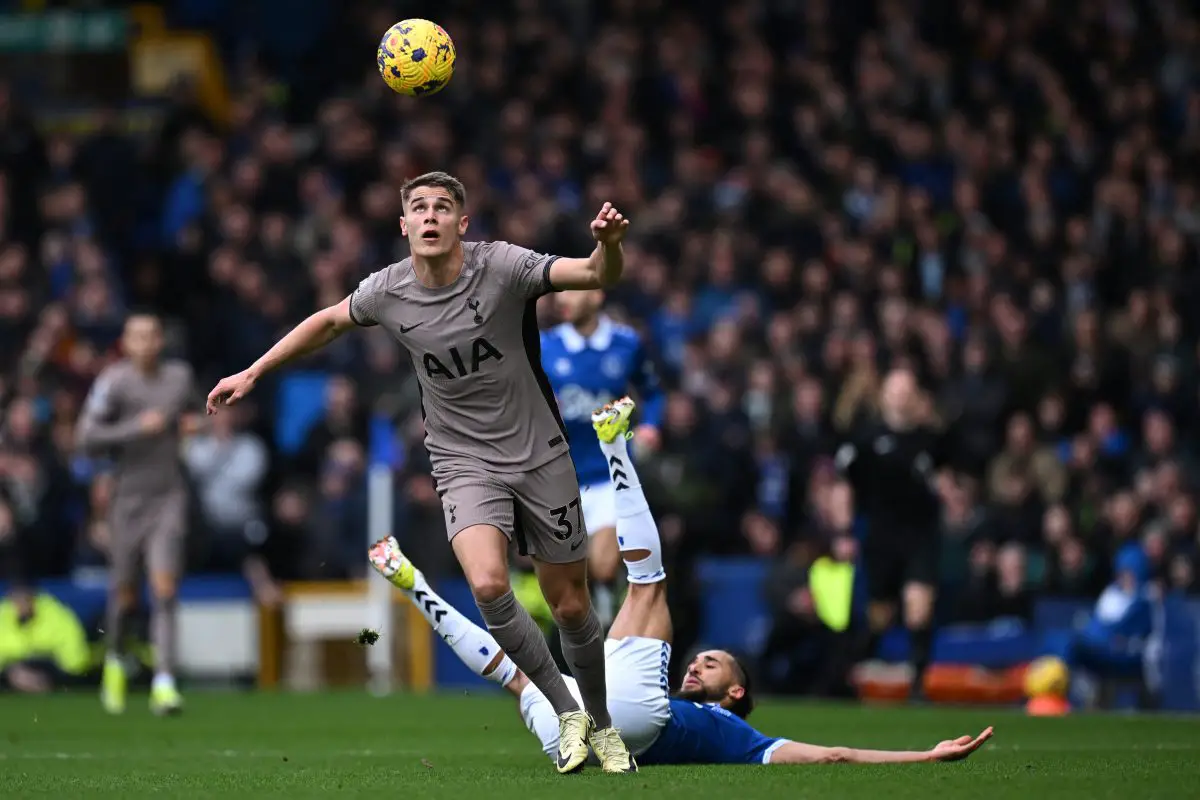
x=475 y=748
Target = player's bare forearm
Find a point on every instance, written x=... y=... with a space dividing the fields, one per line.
x=949 y=750
x=799 y=753
x=309 y=336
x=611 y=259
x=600 y=270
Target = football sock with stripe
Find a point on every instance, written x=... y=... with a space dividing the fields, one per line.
x=474 y=646
x=637 y=532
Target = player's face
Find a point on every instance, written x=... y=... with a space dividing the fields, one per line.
x=432 y=221
x=580 y=307
x=711 y=678
x=142 y=339
x=898 y=396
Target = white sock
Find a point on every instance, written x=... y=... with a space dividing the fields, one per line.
x=636 y=528
x=163 y=680
x=473 y=645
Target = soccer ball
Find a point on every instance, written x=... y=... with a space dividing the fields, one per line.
x=416 y=57
x=1047 y=676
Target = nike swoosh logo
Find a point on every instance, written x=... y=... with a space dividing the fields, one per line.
x=409 y=328
x=575 y=546
x=562 y=762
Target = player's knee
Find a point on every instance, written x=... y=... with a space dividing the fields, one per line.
x=570 y=609
x=603 y=570
x=490 y=587
x=123 y=596
x=163 y=588
x=880 y=616
x=918 y=605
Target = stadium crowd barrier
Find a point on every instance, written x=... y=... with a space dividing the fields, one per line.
x=224 y=634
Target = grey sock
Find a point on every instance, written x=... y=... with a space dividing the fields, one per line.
x=583 y=648
x=115 y=618
x=520 y=637
x=162 y=634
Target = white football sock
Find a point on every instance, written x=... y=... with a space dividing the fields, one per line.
x=163 y=680
x=473 y=645
x=636 y=528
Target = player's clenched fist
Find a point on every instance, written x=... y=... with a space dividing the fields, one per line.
x=230 y=390
x=609 y=226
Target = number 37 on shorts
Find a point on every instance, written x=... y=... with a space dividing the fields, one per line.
x=539 y=509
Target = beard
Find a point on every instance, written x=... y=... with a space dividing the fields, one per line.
x=698 y=695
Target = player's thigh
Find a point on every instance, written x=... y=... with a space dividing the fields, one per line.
x=885 y=564
x=127 y=539
x=638 y=688
x=599 y=503
x=920 y=581
x=166 y=542
x=604 y=557
x=549 y=514
x=482 y=552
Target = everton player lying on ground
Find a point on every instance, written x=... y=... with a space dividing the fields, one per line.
x=703 y=722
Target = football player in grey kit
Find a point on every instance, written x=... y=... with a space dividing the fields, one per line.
x=465 y=311
x=133 y=413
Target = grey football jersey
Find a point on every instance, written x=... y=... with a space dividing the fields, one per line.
x=143 y=464
x=476 y=350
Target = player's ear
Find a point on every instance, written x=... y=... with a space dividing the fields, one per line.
x=736 y=692
x=463 y=222
x=403 y=226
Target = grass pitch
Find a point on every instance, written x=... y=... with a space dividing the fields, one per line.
x=451 y=746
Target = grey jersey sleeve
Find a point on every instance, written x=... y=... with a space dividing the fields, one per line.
x=365 y=300
x=98 y=426
x=524 y=272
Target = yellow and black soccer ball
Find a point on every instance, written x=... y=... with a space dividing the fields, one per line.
x=416 y=57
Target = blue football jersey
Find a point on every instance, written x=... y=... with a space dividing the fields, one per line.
x=588 y=372
x=702 y=733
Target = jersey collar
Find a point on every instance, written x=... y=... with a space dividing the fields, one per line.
x=574 y=341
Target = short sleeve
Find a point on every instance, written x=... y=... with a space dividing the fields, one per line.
x=737 y=742
x=525 y=273
x=365 y=301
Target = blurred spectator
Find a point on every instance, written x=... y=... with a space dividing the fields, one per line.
x=227 y=465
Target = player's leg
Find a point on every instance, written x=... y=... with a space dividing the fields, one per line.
x=165 y=547
x=477 y=509
x=551 y=529
x=474 y=646
x=124 y=553
x=638 y=649
x=645 y=612
x=604 y=556
x=885 y=579
x=918 y=598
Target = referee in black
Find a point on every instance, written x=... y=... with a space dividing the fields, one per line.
x=892 y=464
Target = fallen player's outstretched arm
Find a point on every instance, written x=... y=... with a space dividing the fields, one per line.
x=949 y=750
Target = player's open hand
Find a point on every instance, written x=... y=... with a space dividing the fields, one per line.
x=960 y=748
x=230 y=390
x=609 y=226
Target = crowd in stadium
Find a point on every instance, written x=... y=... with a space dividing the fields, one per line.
x=820 y=191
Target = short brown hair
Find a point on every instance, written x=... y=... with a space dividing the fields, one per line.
x=436 y=180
